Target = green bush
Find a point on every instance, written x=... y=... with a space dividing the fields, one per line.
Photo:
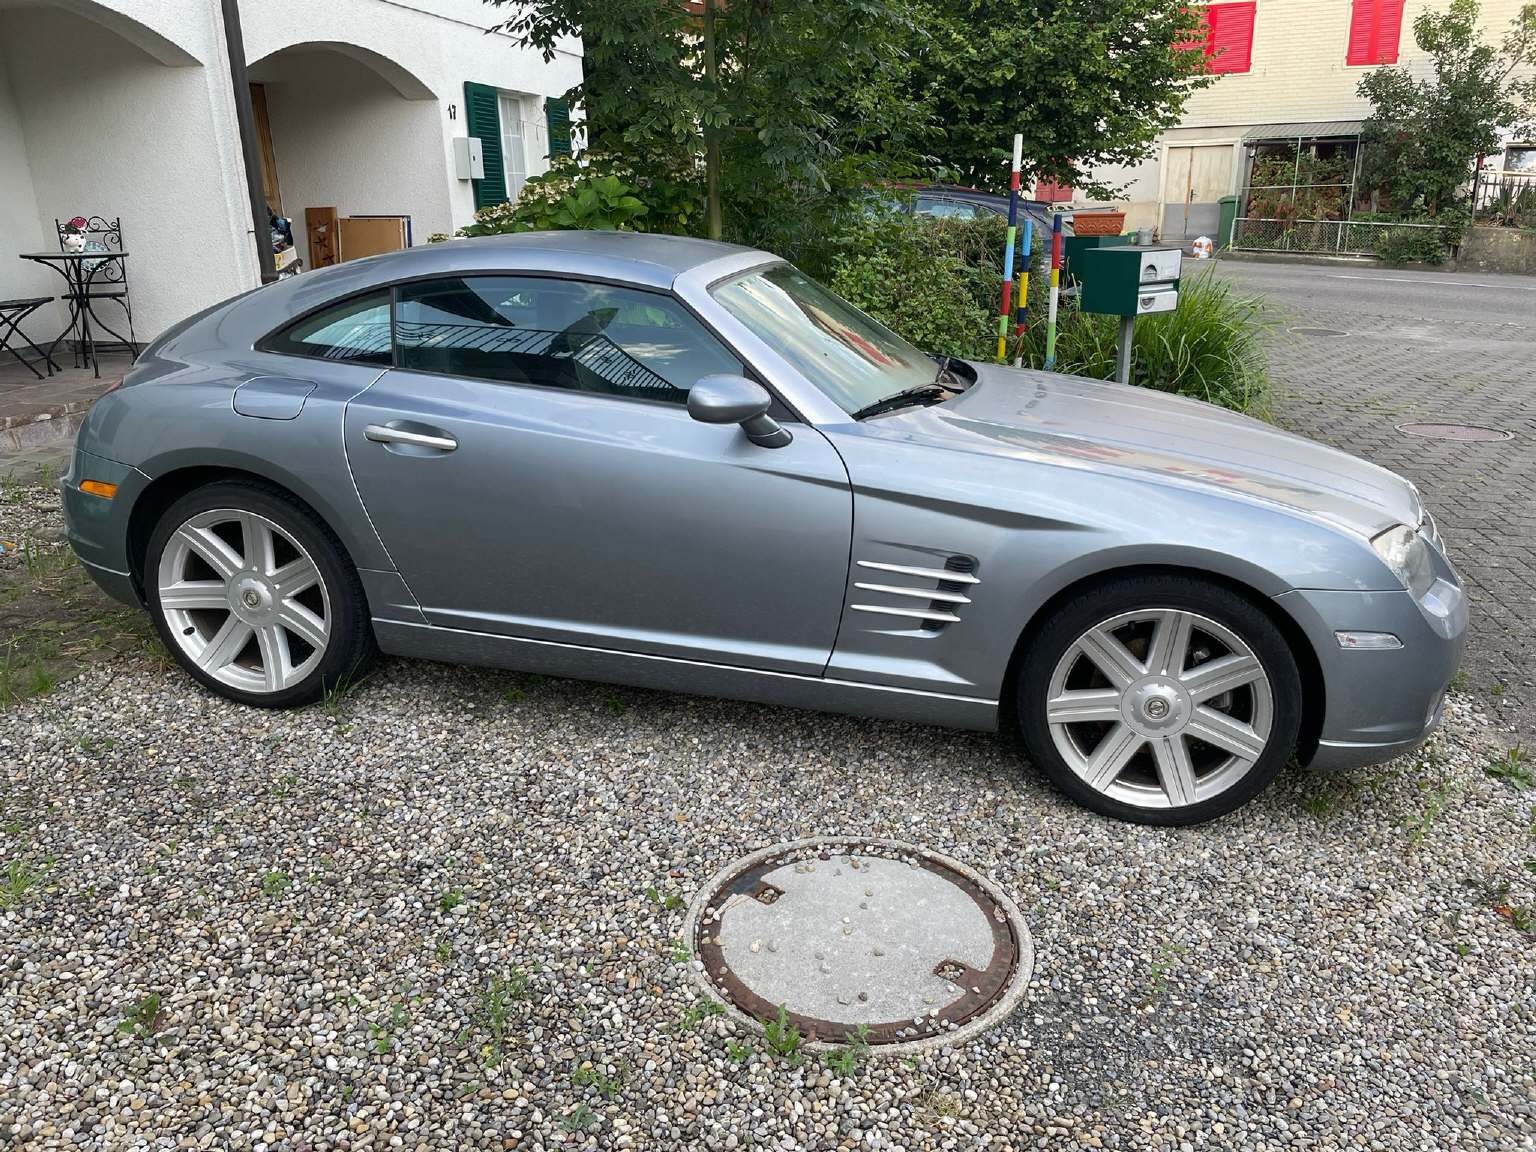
x=1411 y=246
x=928 y=280
x=598 y=191
x=936 y=282
x=1210 y=348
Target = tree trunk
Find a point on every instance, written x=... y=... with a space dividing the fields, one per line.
x=711 y=132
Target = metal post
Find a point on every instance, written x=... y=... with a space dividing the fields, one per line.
x=1123 y=349
x=1005 y=306
x=1050 y=315
x=245 y=118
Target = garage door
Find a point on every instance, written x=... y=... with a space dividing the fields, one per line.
x=1197 y=177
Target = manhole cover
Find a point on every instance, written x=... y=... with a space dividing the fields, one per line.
x=862 y=937
x=1454 y=432
x=1319 y=332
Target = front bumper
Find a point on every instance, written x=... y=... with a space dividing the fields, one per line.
x=98 y=528
x=1381 y=703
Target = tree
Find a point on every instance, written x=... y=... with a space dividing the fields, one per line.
x=791 y=106
x=1423 y=134
x=1088 y=83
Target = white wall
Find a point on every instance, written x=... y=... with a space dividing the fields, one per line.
x=110 y=129
x=19 y=231
x=440 y=44
x=346 y=138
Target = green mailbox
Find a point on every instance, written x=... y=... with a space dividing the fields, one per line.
x=1126 y=280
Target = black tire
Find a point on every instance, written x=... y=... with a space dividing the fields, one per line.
x=350 y=647
x=1218 y=603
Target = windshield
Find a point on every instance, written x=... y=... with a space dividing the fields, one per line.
x=854 y=359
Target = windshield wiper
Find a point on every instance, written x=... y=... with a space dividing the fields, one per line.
x=917 y=394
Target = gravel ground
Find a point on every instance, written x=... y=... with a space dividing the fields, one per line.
x=443 y=911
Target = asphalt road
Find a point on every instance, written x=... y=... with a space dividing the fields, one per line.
x=1439 y=297
x=1412 y=347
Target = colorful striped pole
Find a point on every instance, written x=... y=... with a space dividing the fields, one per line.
x=1006 y=309
x=1027 y=249
x=1050 y=316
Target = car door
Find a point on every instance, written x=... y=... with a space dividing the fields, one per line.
x=533 y=471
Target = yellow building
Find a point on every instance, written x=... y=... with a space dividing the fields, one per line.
x=1287 y=73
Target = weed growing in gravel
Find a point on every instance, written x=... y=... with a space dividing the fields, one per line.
x=698 y=1012
x=1166 y=960
x=444 y=951
x=783 y=1039
x=737 y=1053
x=1324 y=793
x=450 y=899
x=19 y=878
x=1419 y=826
x=615 y=705
x=143 y=1019
x=671 y=902
x=1458 y=681
x=275 y=883
x=845 y=1061
x=588 y=1076
x=383 y=1032
x=495 y=1013
x=96 y=746
x=1513 y=767
x=678 y=952
x=580 y=1119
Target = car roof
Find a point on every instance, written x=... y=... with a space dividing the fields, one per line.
x=645 y=258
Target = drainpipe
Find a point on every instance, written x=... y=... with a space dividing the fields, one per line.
x=245 y=117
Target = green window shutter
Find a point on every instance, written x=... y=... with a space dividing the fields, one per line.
x=557 y=113
x=482 y=117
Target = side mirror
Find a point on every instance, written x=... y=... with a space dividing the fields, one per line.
x=726 y=399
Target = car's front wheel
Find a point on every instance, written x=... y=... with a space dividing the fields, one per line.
x=1160 y=699
x=255 y=597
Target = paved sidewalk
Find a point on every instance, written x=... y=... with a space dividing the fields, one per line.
x=39 y=418
x=1426 y=347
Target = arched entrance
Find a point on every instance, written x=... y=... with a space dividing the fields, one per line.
x=343 y=128
x=104 y=114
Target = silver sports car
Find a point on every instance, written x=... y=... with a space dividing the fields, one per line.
x=684 y=465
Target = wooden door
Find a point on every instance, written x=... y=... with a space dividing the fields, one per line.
x=1197 y=177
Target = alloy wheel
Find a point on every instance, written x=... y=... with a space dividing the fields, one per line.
x=244 y=600
x=1160 y=708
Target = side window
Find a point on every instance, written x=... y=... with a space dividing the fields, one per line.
x=356 y=330
x=557 y=334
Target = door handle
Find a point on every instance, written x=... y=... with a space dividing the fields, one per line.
x=383 y=434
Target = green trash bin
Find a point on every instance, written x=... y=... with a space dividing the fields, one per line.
x=1228 y=207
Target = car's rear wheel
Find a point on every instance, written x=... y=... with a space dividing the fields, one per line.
x=255 y=597
x=1160 y=699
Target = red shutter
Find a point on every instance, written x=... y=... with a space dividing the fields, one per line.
x=1229 y=37
x=1051 y=192
x=1375 y=27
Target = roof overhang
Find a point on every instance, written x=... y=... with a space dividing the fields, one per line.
x=1310 y=130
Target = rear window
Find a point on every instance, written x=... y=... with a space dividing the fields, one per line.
x=355 y=331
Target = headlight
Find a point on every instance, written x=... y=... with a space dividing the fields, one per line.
x=1404 y=551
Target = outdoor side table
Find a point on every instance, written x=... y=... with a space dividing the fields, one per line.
x=79 y=270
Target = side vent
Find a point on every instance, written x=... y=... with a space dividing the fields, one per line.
x=944 y=590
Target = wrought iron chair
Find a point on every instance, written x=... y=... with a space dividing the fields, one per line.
x=104 y=279
x=12 y=313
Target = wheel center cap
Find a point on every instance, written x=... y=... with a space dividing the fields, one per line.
x=1156 y=706
x=251 y=599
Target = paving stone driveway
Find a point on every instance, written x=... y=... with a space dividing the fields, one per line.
x=1435 y=348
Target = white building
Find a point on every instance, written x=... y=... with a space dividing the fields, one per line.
x=130 y=109
x=1286 y=71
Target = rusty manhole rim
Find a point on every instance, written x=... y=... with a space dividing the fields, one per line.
x=997 y=999
x=1486 y=434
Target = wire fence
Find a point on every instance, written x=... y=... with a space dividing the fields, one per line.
x=1505 y=199
x=1341 y=237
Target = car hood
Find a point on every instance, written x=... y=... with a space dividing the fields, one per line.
x=1090 y=424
